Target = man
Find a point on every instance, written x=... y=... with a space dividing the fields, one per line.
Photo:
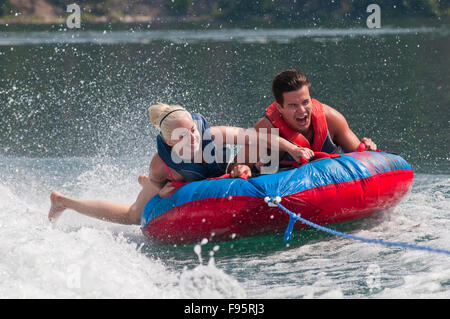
x=311 y=125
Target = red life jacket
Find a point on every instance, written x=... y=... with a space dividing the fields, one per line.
x=319 y=123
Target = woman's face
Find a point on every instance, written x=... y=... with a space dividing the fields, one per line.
x=185 y=138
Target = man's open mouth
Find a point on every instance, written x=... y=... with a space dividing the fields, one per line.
x=302 y=120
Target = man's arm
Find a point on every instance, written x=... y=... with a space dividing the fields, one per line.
x=341 y=133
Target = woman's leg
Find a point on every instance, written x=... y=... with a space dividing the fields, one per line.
x=104 y=210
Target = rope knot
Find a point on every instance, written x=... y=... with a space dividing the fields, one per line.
x=271 y=201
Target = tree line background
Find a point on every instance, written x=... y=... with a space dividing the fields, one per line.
x=225 y=10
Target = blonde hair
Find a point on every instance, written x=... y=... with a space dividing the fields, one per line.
x=162 y=120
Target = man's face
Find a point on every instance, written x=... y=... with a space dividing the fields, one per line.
x=297 y=109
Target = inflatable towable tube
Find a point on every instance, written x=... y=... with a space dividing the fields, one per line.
x=331 y=190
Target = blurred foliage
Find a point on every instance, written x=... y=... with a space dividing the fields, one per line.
x=5 y=6
x=279 y=9
x=179 y=7
x=251 y=9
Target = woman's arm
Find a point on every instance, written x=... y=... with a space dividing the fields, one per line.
x=254 y=138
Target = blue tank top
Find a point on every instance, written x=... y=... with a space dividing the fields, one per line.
x=195 y=171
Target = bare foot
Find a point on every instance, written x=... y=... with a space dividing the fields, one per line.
x=142 y=179
x=56 y=207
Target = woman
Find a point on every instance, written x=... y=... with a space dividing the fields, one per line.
x=183 y=141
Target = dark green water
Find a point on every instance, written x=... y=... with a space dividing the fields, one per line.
x=73 y=117
x=80 y=93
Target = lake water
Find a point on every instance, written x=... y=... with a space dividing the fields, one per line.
x=74 y=118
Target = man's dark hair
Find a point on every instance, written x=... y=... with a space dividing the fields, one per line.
x=287 y=81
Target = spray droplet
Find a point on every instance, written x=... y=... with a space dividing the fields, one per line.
x=198 y=251
x=212 y=261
